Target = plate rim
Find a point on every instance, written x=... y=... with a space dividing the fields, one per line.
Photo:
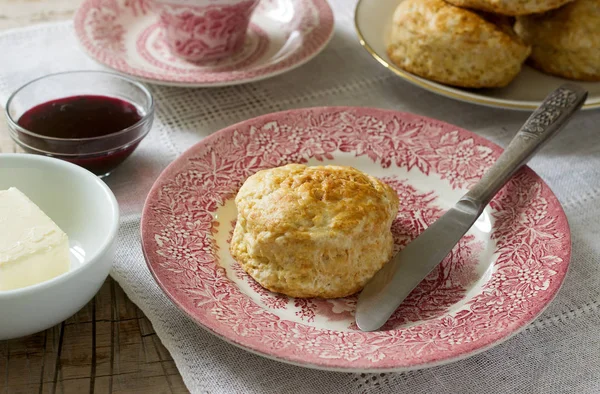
x=240 y=81
x=434 y=87
x=173 y=167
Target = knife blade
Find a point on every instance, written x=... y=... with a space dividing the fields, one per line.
x=387 y=290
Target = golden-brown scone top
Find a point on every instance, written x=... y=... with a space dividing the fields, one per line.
x=455 y=46
x=510 y=7
x=565 y=42
x=320 y=231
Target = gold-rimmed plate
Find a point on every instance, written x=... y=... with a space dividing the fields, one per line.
x=373 y=20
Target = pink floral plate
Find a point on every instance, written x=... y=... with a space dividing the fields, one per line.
x=500 y=276
x=125 y=36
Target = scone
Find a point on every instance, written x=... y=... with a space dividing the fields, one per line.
x=319 y=231
x=454 y=46
x=510 y=7
x=565 y=42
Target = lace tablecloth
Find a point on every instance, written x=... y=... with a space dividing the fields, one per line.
x=558 y=353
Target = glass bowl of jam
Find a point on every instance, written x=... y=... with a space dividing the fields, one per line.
x=94 y=119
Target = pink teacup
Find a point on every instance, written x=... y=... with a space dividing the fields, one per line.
x=205 y=30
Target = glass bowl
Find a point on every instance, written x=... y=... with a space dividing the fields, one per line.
x=101 y=154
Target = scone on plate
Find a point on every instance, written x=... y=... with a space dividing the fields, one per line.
x=320 y=231
x=565 y=42
x=510 y=7
x=438 y=41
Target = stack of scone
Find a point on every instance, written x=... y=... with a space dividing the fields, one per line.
x=484 y=43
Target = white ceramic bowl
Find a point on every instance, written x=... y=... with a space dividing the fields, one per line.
x=83 y=207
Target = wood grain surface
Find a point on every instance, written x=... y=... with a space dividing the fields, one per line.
x=107 y=347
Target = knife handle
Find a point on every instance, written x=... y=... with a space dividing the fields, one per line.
x=549 y=118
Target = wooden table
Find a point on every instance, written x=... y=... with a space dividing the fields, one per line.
x=107 y=347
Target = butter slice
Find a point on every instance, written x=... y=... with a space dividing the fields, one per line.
x=33 y=249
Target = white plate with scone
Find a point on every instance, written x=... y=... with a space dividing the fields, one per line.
x=264 y=232
x=499 y=55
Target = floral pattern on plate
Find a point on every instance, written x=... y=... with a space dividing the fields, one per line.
x=497 y=280
x=125 y=35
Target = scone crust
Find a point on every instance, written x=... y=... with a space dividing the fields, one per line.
x=319 y=231
x=565 y=42
x=455 y=46
x=510 y=7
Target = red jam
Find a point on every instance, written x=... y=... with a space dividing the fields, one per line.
x=80 y=117
x=84 y=116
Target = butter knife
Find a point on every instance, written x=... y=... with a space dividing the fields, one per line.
x=393 y=283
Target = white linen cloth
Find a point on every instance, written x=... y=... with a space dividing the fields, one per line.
x=558 y=353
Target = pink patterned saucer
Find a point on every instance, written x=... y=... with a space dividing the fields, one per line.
x=125 y=35
x=502 y=274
